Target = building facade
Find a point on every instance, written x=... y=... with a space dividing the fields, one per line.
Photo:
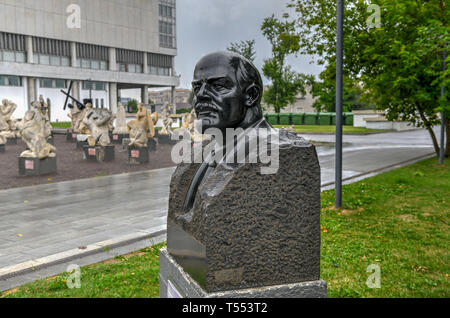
x=103 y=46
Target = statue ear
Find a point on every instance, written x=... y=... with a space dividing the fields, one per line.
x=252 y=93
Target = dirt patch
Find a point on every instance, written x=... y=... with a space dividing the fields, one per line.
x=72 y=166
x=407 y=217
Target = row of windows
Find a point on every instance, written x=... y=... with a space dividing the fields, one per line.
x=10 y=81
x=165 y=71
x=167 y=41
x=52 y=83
x=92 y=64
x=131 y=68
x=96 y=86
x=166 y=27
x=166 y=11
x=12 y=56
x=45 y=59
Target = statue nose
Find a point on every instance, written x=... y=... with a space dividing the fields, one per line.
x=202 y=91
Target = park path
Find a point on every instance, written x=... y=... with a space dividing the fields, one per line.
x=43 y=220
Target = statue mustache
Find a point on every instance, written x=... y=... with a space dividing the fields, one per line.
x=204 y=107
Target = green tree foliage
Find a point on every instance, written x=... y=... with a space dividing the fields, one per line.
x=244 y=48
x=399 y=62
x=324 y=91
x=286 y=83
x=133 y=105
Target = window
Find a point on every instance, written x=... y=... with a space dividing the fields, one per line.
x=95 y=65
x=85 y=63
x=96 y=86
x=9 y=56
x=60 y=84
x=20 y=57
x=52 y=83
x=65 y=61
x=10 y=81
x=103 y=65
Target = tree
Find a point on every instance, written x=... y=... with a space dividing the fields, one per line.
x=286 y=83
x=399 y=62
x=132 y=104
x=325 y=92
x=244 y=48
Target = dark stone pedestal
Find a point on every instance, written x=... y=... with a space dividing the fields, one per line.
x=99 y=153
x=36 y=166
x=151 y=144
x=174 y=282
x=2 y=148
x=117 y=138
x=11 y=141
x=137 y=155
x=248 y=229
x=166 y=140
x=82 y=144
x=71 y=136
x=51 y=141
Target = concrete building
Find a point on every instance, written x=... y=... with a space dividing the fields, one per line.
x=161 y=97
x=302 y=104
x=104 y=46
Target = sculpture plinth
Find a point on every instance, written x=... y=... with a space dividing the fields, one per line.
x=138 y=155
x=250 y=230
x=2 y=148
x=99 y=153
x=36 y=166
x=11 y=141
x=118 y=138
x=151 y=144
x=71 y=136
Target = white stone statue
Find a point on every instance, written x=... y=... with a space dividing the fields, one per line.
x=121 y=120
x=138 y=135
x=35 y=132
x=74 y=115
x=6 y=110
x=167 y=121
x=97 y=122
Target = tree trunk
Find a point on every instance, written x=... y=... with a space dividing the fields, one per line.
x=447 y=130
x=430 y=131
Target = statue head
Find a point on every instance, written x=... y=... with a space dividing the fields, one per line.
x=227 y=91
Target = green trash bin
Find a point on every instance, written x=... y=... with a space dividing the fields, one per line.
x=310 y=119
x=297 y=119
x=325 y=119
x=285 y=119
x=272 y=119
x=333 y=118
x=348 y=119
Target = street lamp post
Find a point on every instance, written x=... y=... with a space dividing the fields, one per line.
x=339 y=89
x=442 y=150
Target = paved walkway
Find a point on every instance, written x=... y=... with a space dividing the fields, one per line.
x=44 y=220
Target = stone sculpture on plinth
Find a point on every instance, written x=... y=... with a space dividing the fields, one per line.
x=76 y=110
x=165 y=134
x=121 y=130
x=7 y=129
x=40 y=157
x=2 y=143
x=97 y=123
x=240 y=225
x=142 y=131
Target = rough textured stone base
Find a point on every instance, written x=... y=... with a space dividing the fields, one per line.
x=137 y=155
x=169 y=270
x=36 y=166
x=82 y=144
x=98 y=153
x=71 y=137
x=117 y=138
x=166 y=140
x=2 y=148
x=151 y=144
x=11 y=141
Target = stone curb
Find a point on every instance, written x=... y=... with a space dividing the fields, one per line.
x=363 y=175
x=67 y=256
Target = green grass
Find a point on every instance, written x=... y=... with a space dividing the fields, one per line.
x=306 y=129
x=61 y=125
x=397 y=220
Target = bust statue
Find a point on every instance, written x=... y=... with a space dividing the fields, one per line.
x=231 y=225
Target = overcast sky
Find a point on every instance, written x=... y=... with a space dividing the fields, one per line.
x=205 y=26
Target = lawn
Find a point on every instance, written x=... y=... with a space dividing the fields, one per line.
x=397 y=220
x=61 y=125
x=311 y=129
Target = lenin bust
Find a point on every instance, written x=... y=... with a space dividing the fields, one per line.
x=231 y=225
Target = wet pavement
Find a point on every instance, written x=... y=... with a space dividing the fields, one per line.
x=47 y=219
